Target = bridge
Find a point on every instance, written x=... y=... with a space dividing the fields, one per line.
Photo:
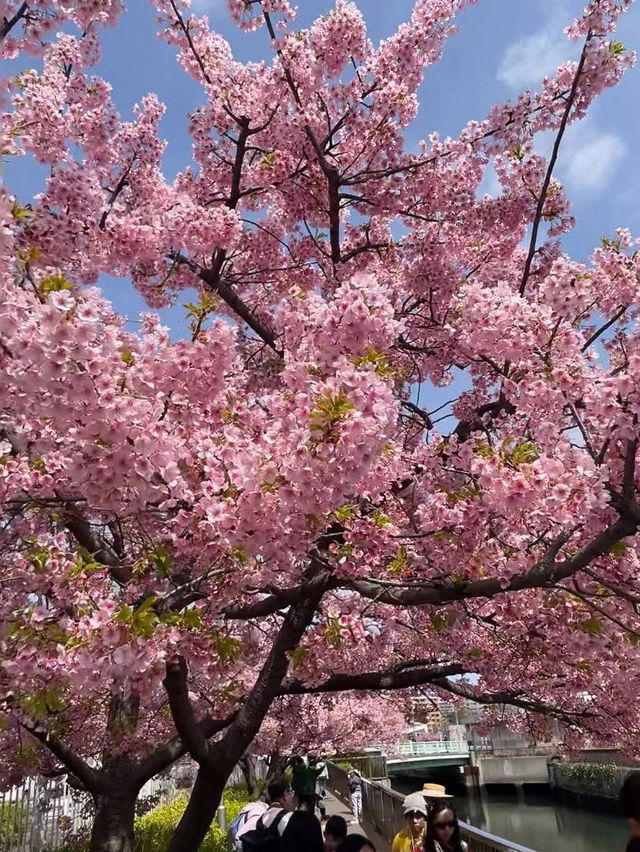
x=409 y=756
x=492 y=769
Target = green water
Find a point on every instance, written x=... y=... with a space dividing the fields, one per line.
x=539 y=822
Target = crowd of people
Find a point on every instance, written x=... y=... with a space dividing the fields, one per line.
x=286 y=821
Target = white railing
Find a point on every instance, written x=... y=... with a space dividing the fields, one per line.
x=430 y=749
x=42 y=813
x=383 y=810
x=39 y=813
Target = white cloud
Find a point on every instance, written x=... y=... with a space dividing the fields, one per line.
x=528 y=60
x=591 y=165
x=589 y=157
x=538 y=54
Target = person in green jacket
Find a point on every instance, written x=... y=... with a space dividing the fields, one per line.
x=304 y=782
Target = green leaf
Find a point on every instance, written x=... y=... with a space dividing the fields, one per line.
x=592 y=626
x=53 y=284
x=332 y=409
x=298 y=656
x=375 y=359
x=400 y=563
x=19 y=212
x=346 y=513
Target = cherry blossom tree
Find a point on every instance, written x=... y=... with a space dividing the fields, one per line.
x=263 y=510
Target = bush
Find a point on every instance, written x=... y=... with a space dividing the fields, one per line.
x=590 y=778
x=153 y=830
x=14 y=822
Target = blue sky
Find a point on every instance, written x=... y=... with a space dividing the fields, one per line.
x=502 y=47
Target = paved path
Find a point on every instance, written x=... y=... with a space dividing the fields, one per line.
x=336 y=806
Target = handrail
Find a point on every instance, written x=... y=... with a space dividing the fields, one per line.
x=433 y=747
x=382 y=808
x=489 y=841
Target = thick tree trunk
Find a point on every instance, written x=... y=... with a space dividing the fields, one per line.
x=276 y=766
x=248 y=766
x=113 y=824
x=200 y=812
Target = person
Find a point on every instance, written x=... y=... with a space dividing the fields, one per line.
x=630 y=804
x=410 y=838
x=297 y=777
x=269 y=828
x=443 y=830
x=303 y=831
x=321 y=789
x=335 y=831
x=356 y=843
x=246 y=820
x=434 y=793
x=355 y=791
x=279 y=797
x=304 y=782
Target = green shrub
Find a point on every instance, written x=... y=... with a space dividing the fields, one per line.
x=153 y=830
x=591 y=778
x=14 y=821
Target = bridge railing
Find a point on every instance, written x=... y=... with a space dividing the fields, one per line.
x=428 y=749
x=382 y=810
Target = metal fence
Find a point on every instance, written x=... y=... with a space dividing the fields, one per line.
x=369 y=765
x=41 y=813
x=432 y=747
x=382 y=810
x=38 y=814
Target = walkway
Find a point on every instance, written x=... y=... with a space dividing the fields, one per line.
x=336 y=806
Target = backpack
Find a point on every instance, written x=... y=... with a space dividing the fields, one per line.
x=238 y=822
x=263 y=839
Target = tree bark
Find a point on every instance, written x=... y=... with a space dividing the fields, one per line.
x=248 y=766
x=201 y=810
x=113 y=823
x=276 y=766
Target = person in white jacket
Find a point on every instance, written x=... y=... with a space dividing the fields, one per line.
x=355 y=791
x=279 y=797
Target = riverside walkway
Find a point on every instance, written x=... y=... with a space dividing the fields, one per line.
x=335 y=806
x=383 y=815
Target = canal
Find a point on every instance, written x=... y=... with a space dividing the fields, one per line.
x=539 y=821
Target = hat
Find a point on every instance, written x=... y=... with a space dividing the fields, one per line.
x=414 y=802
x=435 y=791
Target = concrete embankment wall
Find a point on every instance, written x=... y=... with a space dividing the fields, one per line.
x=513 y=770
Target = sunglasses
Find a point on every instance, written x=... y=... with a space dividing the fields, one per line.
x=450 y=823
x=415 y=815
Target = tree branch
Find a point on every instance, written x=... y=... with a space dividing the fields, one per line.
x=513 y=699
x=604 y=327
x=175 y=748
x=386 y=679
x=102 y=552
x=9 y=23
x=269 y=681
x=546 y=573
x=552 y=162
x=175 y=684
x=75 y=764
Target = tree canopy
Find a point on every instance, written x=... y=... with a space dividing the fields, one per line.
x=264 y=509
